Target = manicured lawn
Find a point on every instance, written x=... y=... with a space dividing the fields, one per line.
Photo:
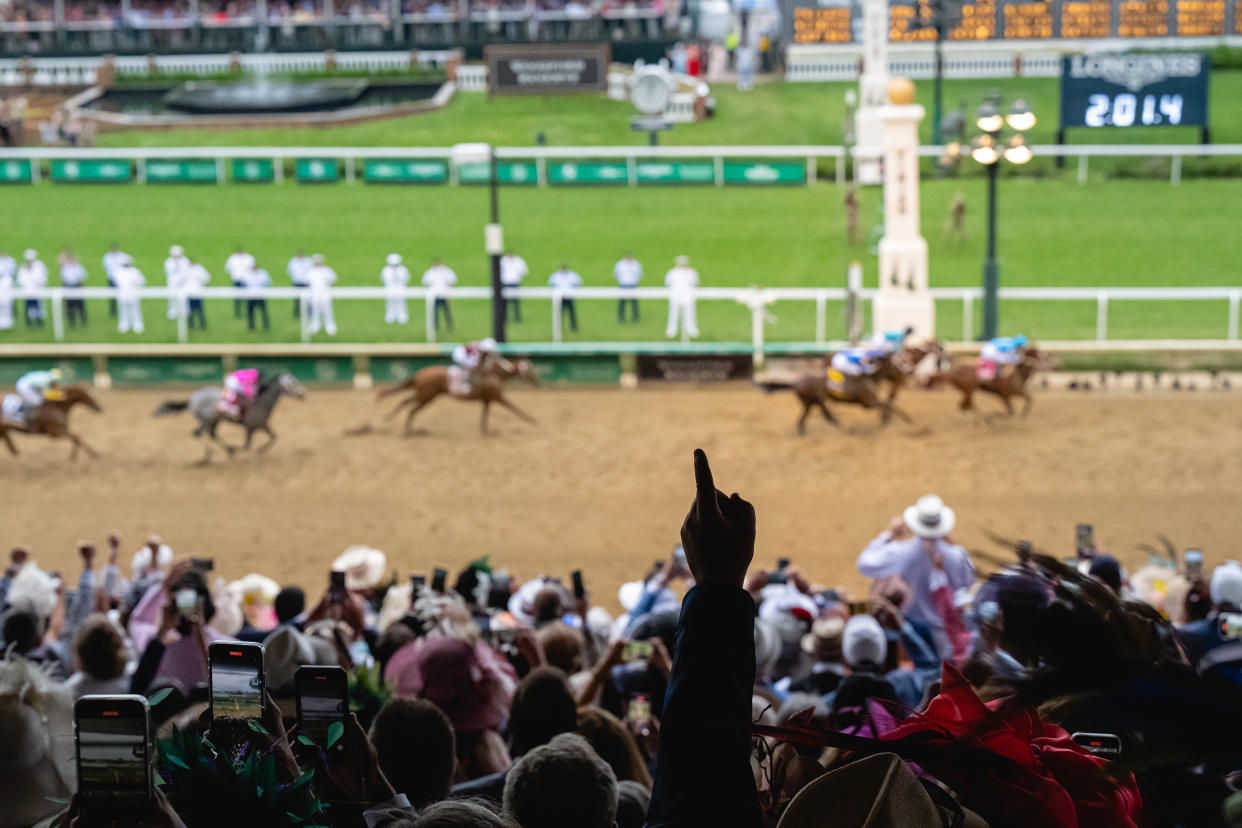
x=1052 y=232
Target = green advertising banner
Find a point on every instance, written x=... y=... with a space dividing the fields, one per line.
x=75 y=171
x=781 y=172
x=572 y=172
x=318 y=370
x=604 y=369
x=181 y=171
x=16 y=172
x=507 y=172
x=680 y=172
x=160 y=370
x=403 y=171
x=253 y=170
x=385 y=369
x=317 y=170
x=72 y=369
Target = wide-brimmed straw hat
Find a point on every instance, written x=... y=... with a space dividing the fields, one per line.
x=362 y=565
x=930 y=518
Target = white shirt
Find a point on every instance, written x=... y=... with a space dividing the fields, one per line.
x=112 y=260
x=395 y=277
x=238 y=265
x=513 y=269
x=319 y=278
x=32 y=275
x=298 y=266
x=174 y=270
x=682 y=281
x=7 y=267
x=439 y=277
x=885 y=556
x=128 y=279
x=257 y=278
x=194 y=278
x=72 y=274
x=565 y=279
x=628 y=272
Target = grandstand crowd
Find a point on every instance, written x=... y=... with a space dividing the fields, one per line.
x=1044 y=694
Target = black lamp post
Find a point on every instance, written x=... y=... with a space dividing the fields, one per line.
x=987 y=150
x=493 y=233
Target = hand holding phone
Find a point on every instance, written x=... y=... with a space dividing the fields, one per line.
x=636 y=651
x=114 y=751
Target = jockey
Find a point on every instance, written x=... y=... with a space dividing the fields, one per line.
x=240 y=388
x=471 y=356
x=890 y=341
x=854 y=362
x=36 y=386
x=1001 y=351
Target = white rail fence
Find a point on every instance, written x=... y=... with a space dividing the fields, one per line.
x=758 y=301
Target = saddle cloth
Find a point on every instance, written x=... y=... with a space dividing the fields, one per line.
x=13 y=410
x=836 y=380
x=458 y=380
x=985 y=369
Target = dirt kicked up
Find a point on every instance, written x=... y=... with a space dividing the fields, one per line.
x=604 y=480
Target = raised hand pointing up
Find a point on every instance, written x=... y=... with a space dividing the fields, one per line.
x=719 y=532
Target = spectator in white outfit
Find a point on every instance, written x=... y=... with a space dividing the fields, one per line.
x=628 y=272
x=319 y=281
x=297 y=269
x=513 y=270
x=73 y=275
x=238 y=266
x=174 y=276
x=32 y=277
x=681 y=282
x=396 y=278
x=437 y=279
x=256 y=281
x=8 y=269
x=566 y=280
x=194 y=280
x=129 y=281
x=112 y=260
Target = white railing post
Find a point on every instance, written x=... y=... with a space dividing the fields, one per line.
x=141 y=166
x=183 y=322
x=1175 y=170
x=968 y=317
x=219 y=170
x=821 y=318
x=429 y=317
x=1082 y=169
x=811 y=169
x=757 y=310
x=1101 y=316
x=1234 y=296
x=718 y=170
x=840 y=164
x=556 y=316
x=631 y=170
x=278 y=175
x=349 y=169
x=541 y=171
x=58 y=314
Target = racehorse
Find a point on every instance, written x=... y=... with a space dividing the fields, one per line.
x=204 y=404
x=816 y=391
x=432 y=381
x=965 y=378
x=52 y=420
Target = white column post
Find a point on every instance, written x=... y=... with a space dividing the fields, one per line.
x=811 y=170
x=756 y=329
x=1175 y=170
x=58 y=314
x=968 y=317
x=183 y=313
x=821 y=317
x=1101 y=316
x=1082 y=169
x=556 y=316
x=1234 y=296
x=872 y=93
x=429 y=317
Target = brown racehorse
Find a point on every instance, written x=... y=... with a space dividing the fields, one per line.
x=432 y=381
x=814 y=391
x=964 y=377
x=51 y=419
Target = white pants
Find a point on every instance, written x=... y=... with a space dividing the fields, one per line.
x=129 y=314
x=681 y=307
x=6 y=312
x=395 y=310
x=843 y=364
x=174 y=302
x=321 y=313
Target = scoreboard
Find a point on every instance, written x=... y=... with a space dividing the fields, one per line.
x=1131 y=90
x=836 y=21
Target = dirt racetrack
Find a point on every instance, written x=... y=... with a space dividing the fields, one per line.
x=604 y=481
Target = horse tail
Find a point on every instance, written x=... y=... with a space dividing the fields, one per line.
x=769 y=387
x=171 y=407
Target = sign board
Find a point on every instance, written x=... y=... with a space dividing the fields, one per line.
x=72 y=369
x=197 y=170
x=777 y=172
x=678 y=172
x=317 y=170
x=1131 y=90
x=405 y=171
x=507 y=172
x=399 y=368
x=695 y=368
x=92 y=171
x=589 y=172
x=15 y=171
x=160 y=370
x=253 y=170
x=533 y=69
x=318 y=370
x=587 y=369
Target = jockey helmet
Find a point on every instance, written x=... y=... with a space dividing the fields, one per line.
x=1020 y=340
x=487 y=344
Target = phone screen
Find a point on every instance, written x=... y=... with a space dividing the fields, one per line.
x=336 y=587
x=236 y=680
x=1084 y=540
x=323 y=698
x=1230 y=625
x=113 y=740
x=187 y=602
x=438 y=578
x=639 y=711
x=782 y=563
x=1194 y=563
x=637 y=650
x=579 y=588
x=1107 y=745
x=417 y=582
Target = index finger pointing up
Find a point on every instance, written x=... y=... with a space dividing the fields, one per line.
x=704 y=484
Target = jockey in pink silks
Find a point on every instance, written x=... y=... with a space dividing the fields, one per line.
x=240 y=388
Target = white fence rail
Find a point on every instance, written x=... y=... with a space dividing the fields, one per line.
x=757 y=301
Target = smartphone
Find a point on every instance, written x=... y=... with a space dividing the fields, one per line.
x=1194 y=563
x=1230 y=625
x=1084 y=540
x=237 y=680
x=438 y=578
x=323 y=698
x=417 y=582
x=782 y=564
x=1023 y=548
x=637 y=651
x=579 y=587
x=1107 y=745
x=112 y=735
x=337 y=593
x=203 y=564
x=187 y=602
x=638 y=713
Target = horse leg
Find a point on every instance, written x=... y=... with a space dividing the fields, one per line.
x=1027 y=402
x=823 y=407
x=806 y=411
x=526 y=417
x=211 y=432
x=483 y=423
x=397 y=408
x=409 y=418
x=8 y=441
x=271 y=438
x=78 y=443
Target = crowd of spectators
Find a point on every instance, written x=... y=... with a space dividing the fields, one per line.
x=943 y=698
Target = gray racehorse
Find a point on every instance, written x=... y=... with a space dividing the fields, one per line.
x=204 y=404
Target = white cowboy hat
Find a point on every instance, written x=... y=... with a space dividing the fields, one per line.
x=255 y=589
x=630 y=593
x=930 y=518
x=863 y=642
x=317 y=258
x=394 y=259
x=175 y=250
x=31 y=254
x=362 y=565
x=284 y=651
